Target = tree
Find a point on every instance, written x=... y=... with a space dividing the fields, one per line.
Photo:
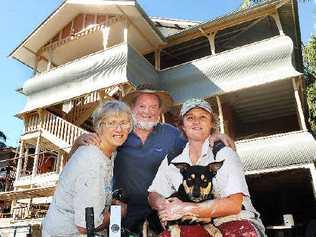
x=309 y=55
x=3 y=139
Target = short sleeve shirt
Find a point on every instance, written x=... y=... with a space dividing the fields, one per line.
x=86 y=181
x=230 y=178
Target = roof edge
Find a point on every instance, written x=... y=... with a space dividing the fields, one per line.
x=37 y=28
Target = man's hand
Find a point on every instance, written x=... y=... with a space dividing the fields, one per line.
x=224 y=138
x=123 y=206
x=88 y=139
x=85 y=139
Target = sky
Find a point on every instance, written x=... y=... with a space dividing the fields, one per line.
x=21 y=17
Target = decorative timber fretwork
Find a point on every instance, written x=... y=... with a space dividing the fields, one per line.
x=83 y=107
x=79 y=27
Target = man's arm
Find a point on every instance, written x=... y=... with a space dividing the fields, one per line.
x=228 y=141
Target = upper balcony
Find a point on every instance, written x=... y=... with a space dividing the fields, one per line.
x=255 y=88
x=113 y=66
x=78 y=28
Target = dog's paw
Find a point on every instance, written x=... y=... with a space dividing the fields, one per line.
x=213 y=230
x=175 y=231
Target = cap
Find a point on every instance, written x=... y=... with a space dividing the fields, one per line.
x=195 y=103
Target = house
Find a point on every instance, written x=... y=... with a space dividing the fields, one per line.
x=8 y=164
x=247 y=63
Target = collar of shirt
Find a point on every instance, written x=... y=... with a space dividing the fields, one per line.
x=206 y=155
x=134 y=140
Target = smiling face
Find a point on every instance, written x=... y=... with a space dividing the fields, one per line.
x=197 y=124
x=146 y=111
x=114 y=129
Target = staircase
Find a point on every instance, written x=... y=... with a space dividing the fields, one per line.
x=82 y=108
x=55 y=129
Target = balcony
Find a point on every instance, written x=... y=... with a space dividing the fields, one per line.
x=117 y=65
x=252 y=65
x=41 y=180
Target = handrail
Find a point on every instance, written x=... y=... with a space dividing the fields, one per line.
x=60 y=128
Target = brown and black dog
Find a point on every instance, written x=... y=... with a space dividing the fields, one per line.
x=196 y=187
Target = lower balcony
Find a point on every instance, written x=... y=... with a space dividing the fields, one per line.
x=47 y=179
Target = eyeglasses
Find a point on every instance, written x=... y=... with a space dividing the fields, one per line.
x=115 y=124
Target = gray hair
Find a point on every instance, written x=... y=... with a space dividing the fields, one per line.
x=111 y=106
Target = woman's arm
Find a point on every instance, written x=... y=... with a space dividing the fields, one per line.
x=105 y=223
x=175 y=209
x=157 y=201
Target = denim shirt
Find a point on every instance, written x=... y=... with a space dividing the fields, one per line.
x=136 y=165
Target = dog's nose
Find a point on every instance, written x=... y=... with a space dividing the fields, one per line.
x=196 y=192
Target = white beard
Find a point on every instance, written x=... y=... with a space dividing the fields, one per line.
x=145 y=125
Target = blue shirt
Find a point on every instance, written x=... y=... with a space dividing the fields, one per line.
x=136 y=165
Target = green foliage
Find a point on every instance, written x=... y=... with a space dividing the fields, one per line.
x=311 y=101
x=3 y=139
x=309 y=54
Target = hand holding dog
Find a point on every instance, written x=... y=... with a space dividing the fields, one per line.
x=174 y=210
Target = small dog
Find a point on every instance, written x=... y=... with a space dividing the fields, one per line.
x=196 y=187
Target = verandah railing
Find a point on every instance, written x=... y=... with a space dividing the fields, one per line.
x=60 y=128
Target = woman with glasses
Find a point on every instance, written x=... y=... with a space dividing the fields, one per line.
x=86 y=180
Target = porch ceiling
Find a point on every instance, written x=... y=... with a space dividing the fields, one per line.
x=266 y=102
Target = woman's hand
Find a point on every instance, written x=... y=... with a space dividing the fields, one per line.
x=228 y=141
x=174 y=209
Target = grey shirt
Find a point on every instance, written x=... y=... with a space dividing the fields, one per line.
x=86 y=181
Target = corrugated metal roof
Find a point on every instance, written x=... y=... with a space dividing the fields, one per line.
x=279 y=150
x=168 y=26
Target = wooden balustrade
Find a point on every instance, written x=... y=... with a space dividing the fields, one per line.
x=32 y=123
x=61 y=128
x=55 y=125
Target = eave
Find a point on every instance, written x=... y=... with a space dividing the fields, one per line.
x=228 y=20
x=26 y=51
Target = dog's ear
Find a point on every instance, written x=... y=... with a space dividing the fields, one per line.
x=215 y=166
x=181 y=166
